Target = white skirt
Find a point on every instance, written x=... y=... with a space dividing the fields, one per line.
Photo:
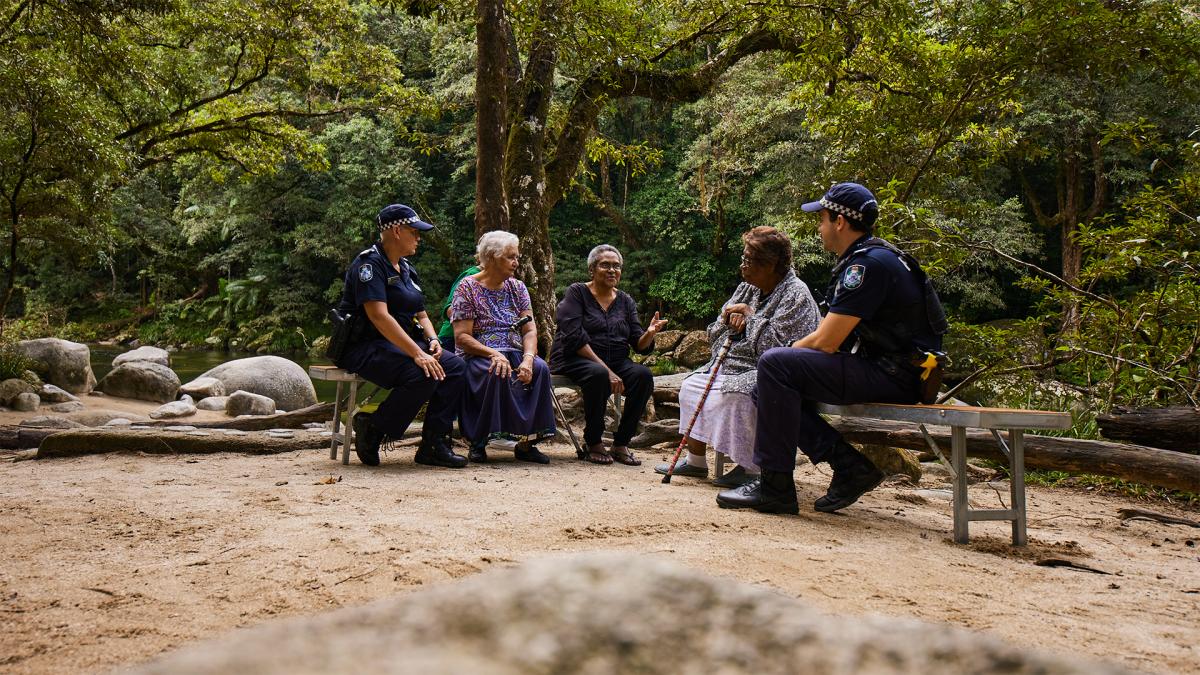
x=727 y=422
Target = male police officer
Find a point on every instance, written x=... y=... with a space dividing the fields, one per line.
x=398 y=348
x=882 y=314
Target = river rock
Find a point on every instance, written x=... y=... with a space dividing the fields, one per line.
x=693 y=350
x=144 y=380
x=666 y=387
x=98 y=418
x=666 y=341
x=51 y=422
x=607 y=612
x=26 y=402
x=61 y=362
x=11 y=388
x=66 y=406
x=213 y=403
x=151 y=354
x=894 y=461
x=277 y=378
x=52 y=394
x=119 y=422
x=247 y=403
x=203 y=387
x=654 y=433
x=181 y=408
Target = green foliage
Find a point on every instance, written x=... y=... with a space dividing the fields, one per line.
x=13 y=363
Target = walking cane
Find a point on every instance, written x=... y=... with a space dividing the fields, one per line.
x=700 y=404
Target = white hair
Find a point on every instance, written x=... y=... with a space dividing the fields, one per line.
x=492 y=245
x=601 y=250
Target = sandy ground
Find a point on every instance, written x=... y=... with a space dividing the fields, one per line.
x=110 y=560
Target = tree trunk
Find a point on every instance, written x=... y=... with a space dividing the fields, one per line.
x=491 y=102
x=74 y=442
x=1136 y=463
x=1176 y=428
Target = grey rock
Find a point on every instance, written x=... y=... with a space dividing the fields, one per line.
x=151 y=354
x=247 y=403
x=52 y=394
x=281 y=434
x=181 y=408
x=180 y=427
x=119 y=422
x=666 y=341
x=141 y=427
x=654 y=433
x=26 y=402
x=277 y=378
x=61 y=362
x=32 y=378
x=98 y=418
x=51 y=422
x=11 y=388
x=143 y=380
x=607 y=612
x=199 y=432
x=666 y=387
x=213 y=403
x=95 y=393
x=66 y=406
x=203 y=387
x=233 y=432
x=313 y=425
x=693 y=350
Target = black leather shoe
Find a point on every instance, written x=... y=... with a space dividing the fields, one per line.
x=478 y=452
x=530 y=453
x=771 y=492
x=439 y=452
x=736 y=477
x=853 y=476
x=367 y=438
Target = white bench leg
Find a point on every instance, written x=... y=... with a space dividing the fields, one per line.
x=958 y=458
x=1017 y=487
x=337 y=422
x=351 y=408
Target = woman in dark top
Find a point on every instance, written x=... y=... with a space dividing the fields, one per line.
x=597 y=325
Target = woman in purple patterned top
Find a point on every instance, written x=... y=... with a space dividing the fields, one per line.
x=508 y=386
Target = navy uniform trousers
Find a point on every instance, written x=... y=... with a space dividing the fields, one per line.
x=385 y=365
x=790 y=384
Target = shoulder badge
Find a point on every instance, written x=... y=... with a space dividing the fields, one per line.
x=852 y=278
x=365 y=273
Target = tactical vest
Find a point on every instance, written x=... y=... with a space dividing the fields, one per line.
x=890 y=332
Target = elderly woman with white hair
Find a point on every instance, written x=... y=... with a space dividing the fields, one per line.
x=508 y=386
x=597 y=326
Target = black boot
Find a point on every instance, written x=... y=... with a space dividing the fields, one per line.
x=771 y=492
x=478 y=452
x=367 y=438
x=853 y=476
x=437 y=451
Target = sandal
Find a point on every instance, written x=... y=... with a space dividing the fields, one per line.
x=623 y=455
x=596 y=454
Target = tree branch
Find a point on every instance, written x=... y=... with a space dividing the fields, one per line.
x=1045 y=274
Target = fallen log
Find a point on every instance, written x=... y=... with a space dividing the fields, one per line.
x=74 y=442
x=1175 y=428
x=320 y=412
x=14 y=437
x=1136 y=463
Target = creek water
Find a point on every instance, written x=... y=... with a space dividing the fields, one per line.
x=191 y=363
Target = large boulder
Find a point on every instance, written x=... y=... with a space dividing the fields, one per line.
x=693 y=350
x=26 y=402
x=213 y=403
x=151 y=354
x=277 y=378
x=203 y=387
x=607 y=613
x=246 y=403
x=66 y=364
x=666 y=387
x=11 y=388
x=52 y=394
x=143 y=380
x=667 y=340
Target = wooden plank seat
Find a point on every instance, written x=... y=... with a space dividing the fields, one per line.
x=961 y=418
x=341 y=377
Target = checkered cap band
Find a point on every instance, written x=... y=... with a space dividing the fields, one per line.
x=845 y=210
x=385 y=224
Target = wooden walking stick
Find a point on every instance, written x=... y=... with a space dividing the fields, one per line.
x=700 y=404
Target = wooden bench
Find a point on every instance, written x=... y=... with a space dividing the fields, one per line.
x=345 y=439
x=960 y=418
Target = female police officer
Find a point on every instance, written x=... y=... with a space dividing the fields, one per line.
x=397 y=348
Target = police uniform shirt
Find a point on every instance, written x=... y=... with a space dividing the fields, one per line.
x=371 y=277
x=874 y=278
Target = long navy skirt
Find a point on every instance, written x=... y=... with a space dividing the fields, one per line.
x=492 y=405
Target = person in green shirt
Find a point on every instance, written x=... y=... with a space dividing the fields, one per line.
x=446 y=332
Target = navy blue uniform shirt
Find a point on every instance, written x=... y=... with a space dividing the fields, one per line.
x=372 y=277
x=874 y=280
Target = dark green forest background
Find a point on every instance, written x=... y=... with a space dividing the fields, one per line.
x=199 y=173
